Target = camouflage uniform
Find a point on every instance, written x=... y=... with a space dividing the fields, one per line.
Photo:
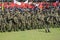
x=1 y=23
x=15 y=19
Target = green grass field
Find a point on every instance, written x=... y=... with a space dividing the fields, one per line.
x=32 y=35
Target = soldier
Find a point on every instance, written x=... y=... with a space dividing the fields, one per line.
x=35 y=21
x=46 y=22
x=40 y=18
x=28 y=21
x=15 y=26
x=0 y=23
x=19 y=21
x=4 y=23
x=9 y=22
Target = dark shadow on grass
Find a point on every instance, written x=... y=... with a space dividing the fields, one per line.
x=41 y=30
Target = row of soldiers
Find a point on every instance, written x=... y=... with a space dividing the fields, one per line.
x=15 y=21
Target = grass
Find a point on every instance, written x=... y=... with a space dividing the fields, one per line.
x=32 y=35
